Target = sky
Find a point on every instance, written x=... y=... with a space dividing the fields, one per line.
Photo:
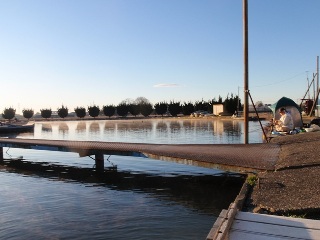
x=79 y=53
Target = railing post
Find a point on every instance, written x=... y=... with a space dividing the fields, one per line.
x=99 y=159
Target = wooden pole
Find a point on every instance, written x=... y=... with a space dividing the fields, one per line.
x=317 y=77
x=316 y=94
x=99 y=159
x=318 y=89
x=246 y=71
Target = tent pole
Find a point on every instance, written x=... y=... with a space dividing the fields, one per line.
x=264 y=133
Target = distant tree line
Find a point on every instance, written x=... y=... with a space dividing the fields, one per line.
x=135 y=107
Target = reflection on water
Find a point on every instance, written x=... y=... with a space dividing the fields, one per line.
x=81 y=126
x=46 y=127
x=188 y=190
x=150 y=131
x=63 y=128
x=175 y=126
x=94 y=127
x=144 y=199
x=161 y=126
x=56 y=195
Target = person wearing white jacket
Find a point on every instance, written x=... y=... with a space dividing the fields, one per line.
x=285 y=123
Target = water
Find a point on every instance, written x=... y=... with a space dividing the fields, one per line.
x=56 y=195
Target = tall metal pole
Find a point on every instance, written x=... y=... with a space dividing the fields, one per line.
x=246 y=72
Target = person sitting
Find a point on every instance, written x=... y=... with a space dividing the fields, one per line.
x=285 y=123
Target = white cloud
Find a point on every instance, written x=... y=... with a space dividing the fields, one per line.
x=166 y=85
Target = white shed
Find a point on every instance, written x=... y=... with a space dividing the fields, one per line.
x=217 y=109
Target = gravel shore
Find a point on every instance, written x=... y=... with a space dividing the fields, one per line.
x=294 y=187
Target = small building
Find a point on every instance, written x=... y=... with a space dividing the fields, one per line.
x=217 y=109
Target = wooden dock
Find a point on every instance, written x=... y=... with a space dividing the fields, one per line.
x=247 y=226
x=234 y=224
x=229 y=157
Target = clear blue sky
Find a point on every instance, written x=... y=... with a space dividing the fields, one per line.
x=85 y=52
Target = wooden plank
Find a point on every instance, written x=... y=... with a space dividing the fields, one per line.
x=278 y=220
x=217 y=224
x=235 y=235
x=226 y=225
x=280 y=230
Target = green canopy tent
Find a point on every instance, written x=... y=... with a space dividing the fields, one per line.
x=291 y=107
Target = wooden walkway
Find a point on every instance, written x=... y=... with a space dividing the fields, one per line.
x=252 y=226
x=228 y=157
x=233 y=224
x=259 y=226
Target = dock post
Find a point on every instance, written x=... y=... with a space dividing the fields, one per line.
x=99 y=159
x=1 y=154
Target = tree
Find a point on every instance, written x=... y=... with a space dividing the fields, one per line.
x=230 y=104
x=187 y=108
x=27 y=113
x=109 y=110
x=134 y=109
x=9 y=113
x=174 y=108
x=46 y=113
x=140 y=105
x=63 y=112
x=127 y=101
x=141 y=100
x=122 y=109
x=200 y=106
x=94 y=111
x=80 y=112
x=146 y=109
x=161 y=108
x=259 y=104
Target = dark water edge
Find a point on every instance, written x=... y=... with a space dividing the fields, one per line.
x=218 y=190
x=205 y=194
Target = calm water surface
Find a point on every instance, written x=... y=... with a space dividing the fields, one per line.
x=56 y=195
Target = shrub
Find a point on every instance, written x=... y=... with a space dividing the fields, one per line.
x=63 y=112
x=27 y=113
x=9 y=113
x=80 y=112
